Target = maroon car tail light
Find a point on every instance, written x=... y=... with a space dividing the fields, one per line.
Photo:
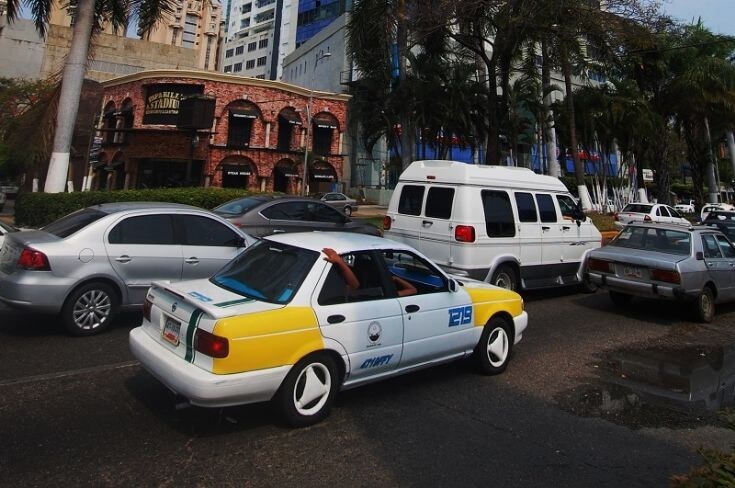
x=147 y=306
x=387 y=221
x=210 y=344
x=594 y=264
x=464 y=233
x=33 y=260
x=666 y=276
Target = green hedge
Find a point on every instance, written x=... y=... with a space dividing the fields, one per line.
x=38 y=209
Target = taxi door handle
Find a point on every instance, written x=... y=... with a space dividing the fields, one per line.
x=427 y=223
x=412 y=308
x=335 y=319
x=544 y=228
x=565 y=227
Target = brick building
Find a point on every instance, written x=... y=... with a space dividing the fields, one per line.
x=256 y=140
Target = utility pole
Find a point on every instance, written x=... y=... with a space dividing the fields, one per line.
x=319 y=56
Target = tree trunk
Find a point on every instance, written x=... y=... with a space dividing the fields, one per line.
x=71 y=90
x=492 y=153
x=566 y=66
x=407 y=139
x=550 y=131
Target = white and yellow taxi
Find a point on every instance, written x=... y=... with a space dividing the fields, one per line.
x=280 y=323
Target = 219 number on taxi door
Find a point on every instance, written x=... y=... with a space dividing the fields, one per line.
x=460 y=316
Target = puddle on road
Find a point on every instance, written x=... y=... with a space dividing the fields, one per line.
x=658 y=387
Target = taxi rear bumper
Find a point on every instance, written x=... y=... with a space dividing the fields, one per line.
x=201 y=387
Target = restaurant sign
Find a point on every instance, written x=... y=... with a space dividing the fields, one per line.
x=162 y=102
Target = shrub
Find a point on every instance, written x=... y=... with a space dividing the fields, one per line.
x=39 y=209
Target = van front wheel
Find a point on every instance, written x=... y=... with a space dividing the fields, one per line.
x=505 y=277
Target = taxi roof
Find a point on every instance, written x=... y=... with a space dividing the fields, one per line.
x=342 y=242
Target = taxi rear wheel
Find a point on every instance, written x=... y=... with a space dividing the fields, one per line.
x=492 y=353
x=306 y=395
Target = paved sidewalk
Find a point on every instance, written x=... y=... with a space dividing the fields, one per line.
x=370 y=211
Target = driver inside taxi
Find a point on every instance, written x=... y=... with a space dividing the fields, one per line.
x=403 y=287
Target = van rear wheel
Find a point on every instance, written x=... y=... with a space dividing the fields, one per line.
x=505 y=277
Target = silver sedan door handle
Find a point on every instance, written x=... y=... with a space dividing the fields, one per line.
x=192 y=260
x=123 y=259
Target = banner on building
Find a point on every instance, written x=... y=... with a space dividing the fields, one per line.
x=162 y=102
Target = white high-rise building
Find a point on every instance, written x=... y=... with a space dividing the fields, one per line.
x=258 y=35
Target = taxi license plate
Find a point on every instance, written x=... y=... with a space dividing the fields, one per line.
x=632 y=272
x=171 y=331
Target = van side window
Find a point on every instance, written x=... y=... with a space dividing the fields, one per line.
x=499 y=220
x=567 y=205
x=546 y=207
x=439 y=202
x=526 y=207
x=411 y=198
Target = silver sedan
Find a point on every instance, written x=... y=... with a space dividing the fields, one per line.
x=90 y=263
x=693 y=264
x=340 y=201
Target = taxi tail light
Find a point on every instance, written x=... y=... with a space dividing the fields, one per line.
x=387 y=221
x=647 y=218
x=600 y=265
x=210 y=344
x=33 y=260
x=147 y=305
x=464 y=233
x=666 y=276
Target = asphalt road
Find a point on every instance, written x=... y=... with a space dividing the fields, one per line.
x=80 y=411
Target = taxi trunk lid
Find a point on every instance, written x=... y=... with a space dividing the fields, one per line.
x=179 y=310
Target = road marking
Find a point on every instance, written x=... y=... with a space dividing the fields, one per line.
x=66 y=374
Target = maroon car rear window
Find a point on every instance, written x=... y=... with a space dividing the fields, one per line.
x=69 y=224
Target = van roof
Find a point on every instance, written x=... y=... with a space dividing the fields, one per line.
x=454 y=172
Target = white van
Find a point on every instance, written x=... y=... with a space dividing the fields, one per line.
x=503 y=225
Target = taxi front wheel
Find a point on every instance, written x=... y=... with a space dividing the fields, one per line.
x=492 y=353
x=306 y=395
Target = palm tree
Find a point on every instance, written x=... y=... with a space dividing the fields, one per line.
x=88 y=17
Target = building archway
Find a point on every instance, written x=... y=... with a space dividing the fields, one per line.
x=285 y=176
x=237 y=172
x=288 y=118
x=324 y=126
x=322 y=176
x=240 y=116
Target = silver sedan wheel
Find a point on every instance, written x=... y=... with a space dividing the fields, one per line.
x=312 y=389
x=92 y=309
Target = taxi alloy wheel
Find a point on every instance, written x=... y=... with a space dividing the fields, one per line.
x=493 y=351
x=704 y=305
x=90 y=309
x=307 y=393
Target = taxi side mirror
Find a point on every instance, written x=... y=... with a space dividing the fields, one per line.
x=452 y=285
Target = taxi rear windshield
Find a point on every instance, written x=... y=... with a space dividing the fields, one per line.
x=637 y=208
x=267 y=271
x=658 y=240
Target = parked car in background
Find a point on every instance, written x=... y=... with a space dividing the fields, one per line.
x=4 y=230
x=687 y=208
x=263 y=215
x=690 y=264
x=280 y=323
x=722 y=220
x=340 y=201
x=648 y=212
x=714 y=207
x=90 y=263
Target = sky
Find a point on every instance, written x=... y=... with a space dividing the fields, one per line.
x=717 y=15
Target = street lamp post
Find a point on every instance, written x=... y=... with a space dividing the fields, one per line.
x=319 y=56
